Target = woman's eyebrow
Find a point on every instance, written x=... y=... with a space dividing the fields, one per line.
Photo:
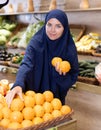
x=56 y=24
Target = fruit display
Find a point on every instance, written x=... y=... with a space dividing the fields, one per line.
x=89 y=42
x=14 y=40
x=29 y=32
x=10 y=58
x=5 y=86
x=36 y=108
x=6 y=29
x=4 y=55
x=64 y=66
x=17 y=58
x=98 y=49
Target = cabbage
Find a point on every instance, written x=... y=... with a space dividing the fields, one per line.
x=5 y=33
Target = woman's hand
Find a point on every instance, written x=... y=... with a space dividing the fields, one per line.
x=57 y=68
x=9 y=97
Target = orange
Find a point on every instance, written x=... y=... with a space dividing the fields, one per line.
x=17 y=104
x=39 y=98
x=28 y=113
x=65 y=66
x=4 y=83
x=1 y=106
x=16 y=116
x=4 y=122
x=48 y=96
x=14 y=125
x=26 y=123
x=47 y=116
x=55 y=60
x=29 y=101
x=2 y=101
x=37 y=120
x=48 y=107
x=6 y=112
x=10 y=85
x=56 y=103
x=1 y=115
x=17 y=96
x=30 y=93
x=39 y=110
x=56 y=113
x=65 y=109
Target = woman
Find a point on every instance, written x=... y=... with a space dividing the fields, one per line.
x=36 y=72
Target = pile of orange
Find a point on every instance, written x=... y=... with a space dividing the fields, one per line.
x=36 y=108
x=64 y=66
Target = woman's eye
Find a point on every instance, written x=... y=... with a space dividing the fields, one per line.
x=58 y=26
x=49 y=25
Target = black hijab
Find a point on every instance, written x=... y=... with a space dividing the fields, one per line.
x=56 y=47
x=61 y=46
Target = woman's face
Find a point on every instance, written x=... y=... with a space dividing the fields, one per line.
x=54 y=29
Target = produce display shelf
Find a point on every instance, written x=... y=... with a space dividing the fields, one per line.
x=88 y=87
x=46 y=11
x=64 y=122
x=90 y=52
x=78 y=30
x=96 y=54
x=87 y=80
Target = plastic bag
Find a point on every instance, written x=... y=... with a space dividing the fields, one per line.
x=98 y=72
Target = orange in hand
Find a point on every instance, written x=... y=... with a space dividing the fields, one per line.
x=65 y=66
x=55 y=60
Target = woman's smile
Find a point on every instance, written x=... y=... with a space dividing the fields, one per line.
x=52 y=35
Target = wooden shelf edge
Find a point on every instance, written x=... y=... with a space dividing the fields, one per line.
x=46 y=11
x=88 y=87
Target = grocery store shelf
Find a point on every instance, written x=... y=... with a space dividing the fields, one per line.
x=46 y=11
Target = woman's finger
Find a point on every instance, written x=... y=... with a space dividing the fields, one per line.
x=64 y=73
x=57 y=67
x=10 y=97
x=20 y=95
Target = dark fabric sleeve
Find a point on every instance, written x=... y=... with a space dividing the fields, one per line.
x=25 y=67
x=74 y=71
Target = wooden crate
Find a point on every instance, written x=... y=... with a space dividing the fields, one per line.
x=87 y=80
x=77 y=30
x=96 y=54
x=56 y=122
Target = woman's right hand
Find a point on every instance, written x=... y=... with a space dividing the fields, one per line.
x=57 y=68
x=11 y=94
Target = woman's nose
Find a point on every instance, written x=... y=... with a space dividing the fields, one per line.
x=53 y=29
